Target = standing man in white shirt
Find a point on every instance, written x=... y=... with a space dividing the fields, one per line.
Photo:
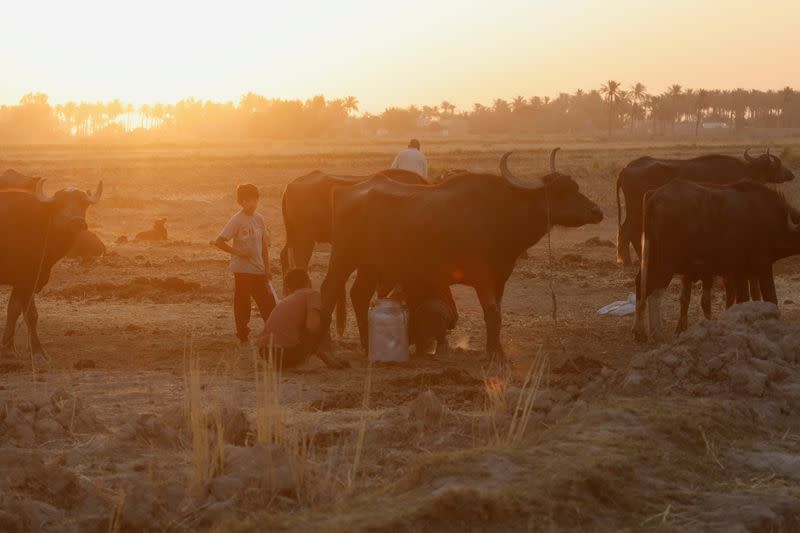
x=412 y=159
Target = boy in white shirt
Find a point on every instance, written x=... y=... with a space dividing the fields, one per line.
x=249 y=260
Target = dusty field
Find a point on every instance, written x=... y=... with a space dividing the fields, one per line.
x=148 y=415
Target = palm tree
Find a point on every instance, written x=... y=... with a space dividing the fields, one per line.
x=700 y=104
x=638 y=94
x=500 y=106
x=674 y=93
x=144 y=116
x=786 y=98
x=114 y=109
x=447 y=108
x=350 y=104
x=612 y=92
x=519 y=104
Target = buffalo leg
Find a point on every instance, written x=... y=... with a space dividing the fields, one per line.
x=331 y=289
x=296 y=254
x=493 y=319
x=639 y=332
x=742 y=289
x=32 y=321
x=287 y=260
x=685 y=300
x=12 y=316
x=654 y=312
x=442 y=346
x=360 y=294
x=767 y=282
x=635 y=237
x=705 y=299
x=624 y=244
x=755 y=289
x=730 y=290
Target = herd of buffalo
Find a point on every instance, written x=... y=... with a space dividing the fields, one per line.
x=702 y=218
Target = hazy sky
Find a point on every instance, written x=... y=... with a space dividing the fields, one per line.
x=389 y=53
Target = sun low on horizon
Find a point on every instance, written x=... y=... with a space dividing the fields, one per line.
x=384 y=53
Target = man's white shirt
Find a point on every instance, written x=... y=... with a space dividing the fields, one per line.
x=412 y=160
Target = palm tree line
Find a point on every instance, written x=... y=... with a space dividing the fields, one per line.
x=613 y=109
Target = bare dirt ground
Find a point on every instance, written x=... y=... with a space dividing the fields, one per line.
x=149 y=416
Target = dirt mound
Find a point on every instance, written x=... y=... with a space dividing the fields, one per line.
x=747 y=351
x=158 y=290
x=171 y=428
x=48 y=417
x=34 y=493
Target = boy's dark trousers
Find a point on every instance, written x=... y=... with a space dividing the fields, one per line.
x=248 y=286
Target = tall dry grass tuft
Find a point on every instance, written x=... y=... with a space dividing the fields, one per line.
x=496 y=388
x=269 y=413
x=525 y=400
x=362 y=430
x=295 y=446
x=208 y=454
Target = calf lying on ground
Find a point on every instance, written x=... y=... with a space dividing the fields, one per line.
x=158 y=233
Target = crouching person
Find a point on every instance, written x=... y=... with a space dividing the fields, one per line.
x=432 y=315
x=293 y=329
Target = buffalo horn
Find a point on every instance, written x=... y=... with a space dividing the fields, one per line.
x=553 y=159
x=747 y=156
x=513 y=180
x=94 y=198
x=790 y=223
x=40 y=195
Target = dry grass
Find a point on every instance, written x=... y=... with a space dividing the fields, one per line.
x=526 y=399
x=208 y=453
x=362 y=429
x=496 y=388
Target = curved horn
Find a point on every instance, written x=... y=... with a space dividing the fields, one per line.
x=504 y=167
x=553 y=159
x=94 y=198
x=790 y=223
x=747 y=156
x=40 y=195
x=513 y=180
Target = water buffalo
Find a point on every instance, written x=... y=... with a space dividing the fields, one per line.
x=39 y=232
x=648 y=174
x=469 y=229
x=699 y=232
x=307 y=213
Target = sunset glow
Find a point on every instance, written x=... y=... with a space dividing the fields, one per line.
x=389 y=54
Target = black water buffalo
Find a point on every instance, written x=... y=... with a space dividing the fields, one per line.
x=469 y=229
x=39 y=231
x=699 y=232
x=307 y=213
x=13 y=180
x=307 y=210
x=648 y=174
